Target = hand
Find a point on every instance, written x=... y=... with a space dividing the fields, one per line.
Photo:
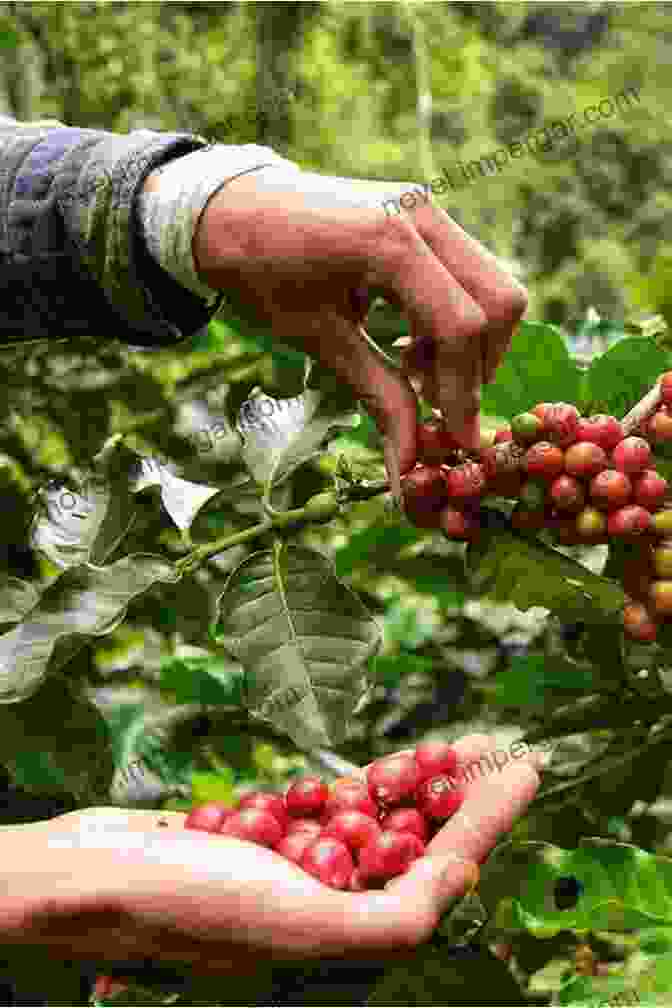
x=113 y=886
x=302 y=250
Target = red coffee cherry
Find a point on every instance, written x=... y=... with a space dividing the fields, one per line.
x=255 y=825
x=424 y=495
x=666 y=387
x=590 y=524
x=353 y=828
x=330 y=861
x=659 y=426
x=560 y=423
x=356 y=797
x=603 y=430
x=390 y=854
x=406 y=820
x=650 y=489
x=632 y=455
x=465 y=481
x=661 y=597
x=540 y=410
x=458 y=525
x=267 y=800
x=503 y=434
x=526 y=428
x=638 y=624
x=610 y=489
x=628 y=521
x=306 y=796
x=435 y=444
x=392 y=779
x=567 y=494
x=293 y=845
x=433 y=758
x=311 y=827
x=208 y=817
x=439 y=797
x=544 y=460
x=585 y=459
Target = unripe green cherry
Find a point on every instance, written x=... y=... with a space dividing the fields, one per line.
x=322 y=507
x=661 y=522
x=526 y=427
x=532 y=495
x=591 y=523
x=662 y=561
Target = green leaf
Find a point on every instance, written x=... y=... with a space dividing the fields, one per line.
x=512 y=568
x=16 y=598
x=537 y=368
x=208 y=786
x=210 y=680
x=374 y=546
x=303 y=639
x=391 y=669
x=527 y=681
x=620 y=377
x=83 y=601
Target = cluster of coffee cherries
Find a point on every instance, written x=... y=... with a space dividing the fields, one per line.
x=356 y=834
x=581 y=478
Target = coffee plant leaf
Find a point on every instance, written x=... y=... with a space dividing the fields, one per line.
x=602 y=885
x=537 y=368
x=621 y=376
x=181 y=498
x=57 y=742
x=375 y=546
x=68 y=521
x=17 y=597
x=535 y=680
x=303 y=639
x=207 y=680
x=510 y=568
x=83 y=601
x=279 y=435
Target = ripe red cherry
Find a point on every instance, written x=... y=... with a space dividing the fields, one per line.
x=631 y=520
x=560 y=422
x=659 y=426
x=465 y=481
x=392 y=779
x=544 y=460
x=255 y=825
x=267 y=800
x=603 y=430
x=610 y=489
x=406 y=820
x=435 y=444
x=352 y=828
x=459 y=525
x=293 y=845
x=661 y=597
x=567 y=494
x=435 y=757
x=590 y=524
x=309 y=826
x=330 y=861
x=585 y=459
x=666 y=387
x=208 y=817
x=306 y=796
x=650 y=489
x=439 y=797
x=632 y=455
x=503 y=434
x=424 y=495
x=356 y=797
x=389 y=855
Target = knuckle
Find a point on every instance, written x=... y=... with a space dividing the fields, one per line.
x=470 y=322
x=509 y=304
x=396 y=236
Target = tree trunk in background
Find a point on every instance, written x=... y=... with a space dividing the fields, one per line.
x=423 y=89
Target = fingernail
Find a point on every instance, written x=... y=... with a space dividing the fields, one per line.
x=393 y=467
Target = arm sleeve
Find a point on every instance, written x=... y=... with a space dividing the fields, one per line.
x=73 y=252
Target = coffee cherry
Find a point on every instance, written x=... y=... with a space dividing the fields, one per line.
x=435 y=444
x=632 y=455
x=502 y=460
x=208 y=817
x=610 y=489
x=666 y=387
x=631 y=520
x=540 y=410
x=532 y=495
x=650 y=489
x=526 y=427
x=662 y=561
x=459 y=525
x=353 y=828
x=392 y=779
x=330 y=861
x=661 y=522
x=659 y=427
x=306 y=796
x=389 y=855
x=357 y=881
x=465 y=481
x=528 y=521
x=605 y=431
x=267 y=800
x=590 y=524
x=434 y=758
x=661 y=597
x=560 y=422
x=424 y=495
x=544 y=460
x=254 y=825
x=503 y=434
x=293 y=845
x=439 y=797
x=637 y=623
x=311 y=827
x=406 y=820
x=567 y=494
x=353 y=798
x=585 y=459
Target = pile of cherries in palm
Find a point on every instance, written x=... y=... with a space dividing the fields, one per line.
x=579 y=477
x=356 y=834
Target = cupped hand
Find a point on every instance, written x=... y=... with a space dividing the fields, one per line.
x=301 y=251
x=115 y=886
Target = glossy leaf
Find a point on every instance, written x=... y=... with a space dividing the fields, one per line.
x=210 y=680
x=620 y=377
x=532 y=680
